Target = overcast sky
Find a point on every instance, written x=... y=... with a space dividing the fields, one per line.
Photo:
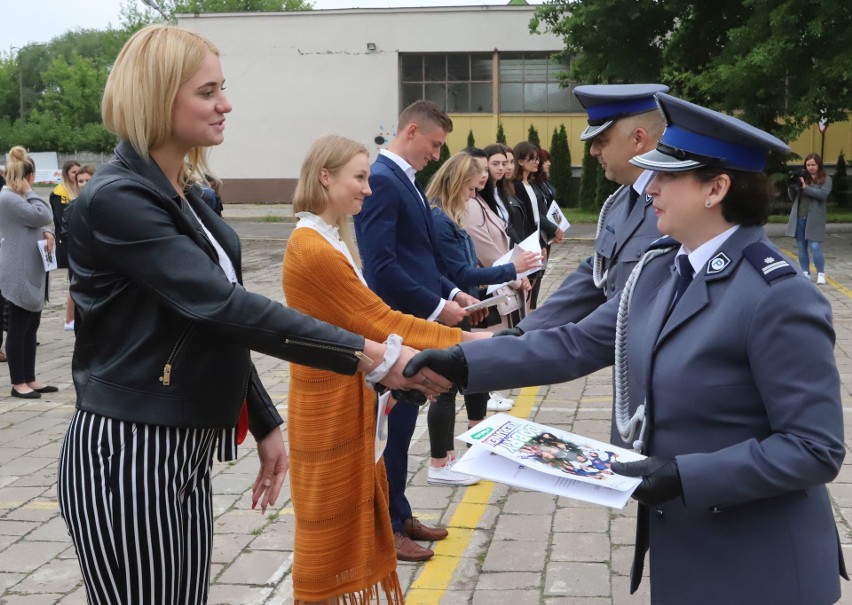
x=41 y=20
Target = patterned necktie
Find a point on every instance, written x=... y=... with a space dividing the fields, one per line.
x=684 y=277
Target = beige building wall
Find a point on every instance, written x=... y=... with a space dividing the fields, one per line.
x=293 y=77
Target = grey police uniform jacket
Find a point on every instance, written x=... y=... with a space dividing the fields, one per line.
x=621 y=242
x=743 y=390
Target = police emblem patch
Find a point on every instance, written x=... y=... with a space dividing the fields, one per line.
x=717 y=264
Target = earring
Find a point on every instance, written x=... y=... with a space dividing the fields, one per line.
x=708 y=203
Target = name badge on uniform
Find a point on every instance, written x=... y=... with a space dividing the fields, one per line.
x=717 y=264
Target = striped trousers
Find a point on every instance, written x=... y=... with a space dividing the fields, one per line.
x=137 y=502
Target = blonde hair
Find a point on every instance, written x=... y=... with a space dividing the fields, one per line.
x=445 y=187
x=143 y=83
x=331 y=152
x=19 y=165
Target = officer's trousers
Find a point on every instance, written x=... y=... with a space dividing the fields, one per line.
x=137 y=502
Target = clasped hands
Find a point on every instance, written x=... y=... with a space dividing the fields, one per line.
x=660 y=475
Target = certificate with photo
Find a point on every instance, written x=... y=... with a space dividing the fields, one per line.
x=536 y=456
x=48 y=257
x=554 y=213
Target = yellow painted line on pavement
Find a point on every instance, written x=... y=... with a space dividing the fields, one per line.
x=831 y=282
x=438 y=572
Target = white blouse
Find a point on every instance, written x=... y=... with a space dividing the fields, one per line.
x=331 y=234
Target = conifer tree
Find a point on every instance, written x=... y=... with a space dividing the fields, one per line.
x=840 y=182
x=532 y=136
x=501 y=136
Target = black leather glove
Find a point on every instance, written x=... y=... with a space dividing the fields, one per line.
x=660 y=479
x=449 y=363
x=412 y=397
x=509 y=332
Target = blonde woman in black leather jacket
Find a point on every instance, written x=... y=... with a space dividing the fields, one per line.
x=161 y=363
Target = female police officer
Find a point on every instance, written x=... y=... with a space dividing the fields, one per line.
x=742 y=418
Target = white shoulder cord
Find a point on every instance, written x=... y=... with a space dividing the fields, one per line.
x=598 y=274
x=627 y=424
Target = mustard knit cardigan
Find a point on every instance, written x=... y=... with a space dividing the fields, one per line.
x=344 y=542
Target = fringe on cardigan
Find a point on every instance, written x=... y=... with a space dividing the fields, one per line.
x=389 y=586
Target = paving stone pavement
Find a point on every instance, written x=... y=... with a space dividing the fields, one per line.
x=525 y=548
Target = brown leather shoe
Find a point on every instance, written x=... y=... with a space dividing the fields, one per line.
x=408 y=550
x=417 y=531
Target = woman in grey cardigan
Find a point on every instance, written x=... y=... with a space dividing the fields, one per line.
x=25 y=219
x=807 y=218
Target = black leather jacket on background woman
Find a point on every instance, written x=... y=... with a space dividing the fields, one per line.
x=163 y=337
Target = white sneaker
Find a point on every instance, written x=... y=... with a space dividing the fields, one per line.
x=69 y=327
x=820 y=278
x=444 y=475
x=498 y=403
x=807 y=275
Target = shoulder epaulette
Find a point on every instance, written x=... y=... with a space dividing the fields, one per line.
x=663 y=242
x=771 y=265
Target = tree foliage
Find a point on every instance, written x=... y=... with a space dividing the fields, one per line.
x=501 y=136
x=588 y=180
x=781 y=64
x=50 y=93
x=560 y=165
x=471 y=142
x=840 y=183
x=532 y=136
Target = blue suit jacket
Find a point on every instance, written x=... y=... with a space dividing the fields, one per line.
x=398 y=244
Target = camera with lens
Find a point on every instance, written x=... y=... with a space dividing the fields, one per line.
x=794 y=175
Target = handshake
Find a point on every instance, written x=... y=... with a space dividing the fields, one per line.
x=660 y=475
x=438 y=369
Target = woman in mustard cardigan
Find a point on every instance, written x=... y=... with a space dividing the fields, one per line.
x=344 y=544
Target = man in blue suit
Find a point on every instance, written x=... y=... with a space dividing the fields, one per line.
x=396 y=239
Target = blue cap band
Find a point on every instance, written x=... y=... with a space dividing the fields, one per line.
x=620 y=109
x=728 y=154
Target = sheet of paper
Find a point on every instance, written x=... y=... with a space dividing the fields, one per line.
x=552 y=451
x=382 y=424
x=48 y=259
x=479 y=462
x=554 y=213
x=531 y=244
x=488 y=302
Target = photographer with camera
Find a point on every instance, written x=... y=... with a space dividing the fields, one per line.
x=808 y=189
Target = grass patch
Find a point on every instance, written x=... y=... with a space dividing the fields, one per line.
x=269 y=218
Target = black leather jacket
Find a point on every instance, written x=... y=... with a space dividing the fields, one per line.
x=163 y=337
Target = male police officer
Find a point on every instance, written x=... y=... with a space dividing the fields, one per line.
x=624 y=121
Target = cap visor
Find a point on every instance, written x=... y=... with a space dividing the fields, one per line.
x=592 y=131
x=660 y=162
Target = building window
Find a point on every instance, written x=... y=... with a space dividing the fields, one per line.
x=458 y=83
x=529 y=83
